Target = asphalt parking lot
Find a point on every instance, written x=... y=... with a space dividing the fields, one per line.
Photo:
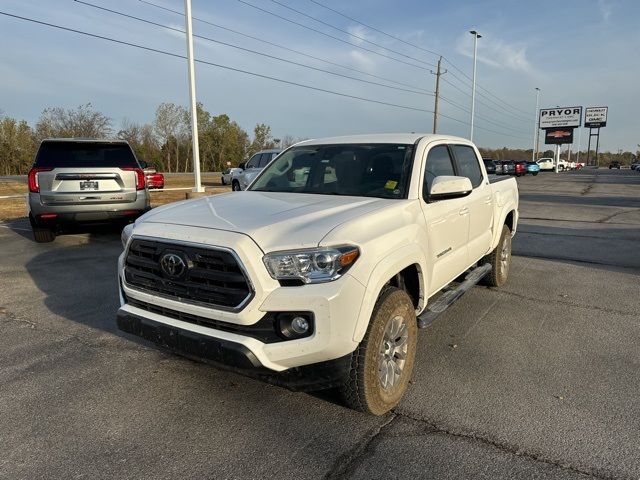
x=539 y=379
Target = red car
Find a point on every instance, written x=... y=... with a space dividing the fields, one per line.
x=520 y=168
x=154 y=180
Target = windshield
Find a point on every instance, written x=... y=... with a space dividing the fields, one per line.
x=363 y=170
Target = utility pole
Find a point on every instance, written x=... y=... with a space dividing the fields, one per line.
x=534 y=151
x=476 y=36
x=437 y=96
x=192 y=97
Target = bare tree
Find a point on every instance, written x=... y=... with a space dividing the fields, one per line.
x=81 y=122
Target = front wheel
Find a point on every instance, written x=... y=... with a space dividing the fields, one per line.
x=235 y=186
x=382 y=364
x=500 y=260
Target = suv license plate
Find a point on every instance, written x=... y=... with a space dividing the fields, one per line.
x=89 y=185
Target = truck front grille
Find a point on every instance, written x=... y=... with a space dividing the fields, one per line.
x=187 y=273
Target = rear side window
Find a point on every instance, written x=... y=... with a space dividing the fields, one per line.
x=438 y=163
x=84 y=154
x=264 y=159
x=253 y=163
x=468 y=165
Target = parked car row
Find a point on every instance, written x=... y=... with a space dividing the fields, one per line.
x=519 y=168
x=510 y=167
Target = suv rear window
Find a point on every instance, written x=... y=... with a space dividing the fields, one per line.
x=85 y=154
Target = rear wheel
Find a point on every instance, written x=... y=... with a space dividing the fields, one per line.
x=382 y=364
x=223 y=182
x=43 y=235
x=500 y=260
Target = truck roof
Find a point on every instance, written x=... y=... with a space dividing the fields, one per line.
x=85 y=140
x=400 y=138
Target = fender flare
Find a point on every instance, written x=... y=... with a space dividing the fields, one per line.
x=509 y=207
x=384 y=270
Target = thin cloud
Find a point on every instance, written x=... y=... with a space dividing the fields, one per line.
x=359 y=33
x=496 y=52
x=605 y=10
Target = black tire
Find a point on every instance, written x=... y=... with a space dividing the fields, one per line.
x=534 y=173
x=235 y=186
x=43 y=235
x=500 y=260
x=222 y=181
x=364 y=390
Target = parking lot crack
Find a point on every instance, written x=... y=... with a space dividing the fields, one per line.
x=345 y=462
x=11 y=317
x=432 y=427
x=561 y=302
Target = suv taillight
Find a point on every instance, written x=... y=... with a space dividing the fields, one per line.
x=140 y=183
x=33 y=178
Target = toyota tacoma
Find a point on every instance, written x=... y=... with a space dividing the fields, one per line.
x=320 y=274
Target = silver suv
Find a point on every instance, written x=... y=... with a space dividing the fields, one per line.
x=251 y=168
x=84 y=181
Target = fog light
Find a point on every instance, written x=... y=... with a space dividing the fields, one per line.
x=294 y=325
x=300 y=325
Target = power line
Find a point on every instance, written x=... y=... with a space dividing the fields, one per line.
x=132 y=17
x=418 y=89
x=264 y=10
x=298 y=52
x=488 y=92
x=414 y=46
x=482 y=117
x=362 y=39
x=375 y=29
x=489 y=106
x=238 y=70
x=225 y=67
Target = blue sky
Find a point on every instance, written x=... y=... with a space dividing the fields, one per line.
x=580 y=52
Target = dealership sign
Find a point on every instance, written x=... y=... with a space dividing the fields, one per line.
x=558 y=136
x=560 y=117
x=595 y=117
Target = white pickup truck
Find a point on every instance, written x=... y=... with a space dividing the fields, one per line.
x=320 y=274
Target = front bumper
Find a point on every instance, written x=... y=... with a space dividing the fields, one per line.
x=234 y=356
x=335 y=306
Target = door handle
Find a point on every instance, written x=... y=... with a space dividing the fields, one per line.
x=464 y=211
x=489 y=200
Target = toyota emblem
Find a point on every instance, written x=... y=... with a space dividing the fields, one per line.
x=173 y=265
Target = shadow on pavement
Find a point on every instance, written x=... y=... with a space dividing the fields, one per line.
x=608 y=247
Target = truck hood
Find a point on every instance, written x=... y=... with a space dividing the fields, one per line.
x=275 y=221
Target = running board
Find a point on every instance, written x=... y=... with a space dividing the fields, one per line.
x=432 y=312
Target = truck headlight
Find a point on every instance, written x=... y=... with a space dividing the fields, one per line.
x=126 y=233
x=316 y=265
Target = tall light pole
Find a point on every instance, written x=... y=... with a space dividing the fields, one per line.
x=534 y=153
x=476 y=36
x=192 y=97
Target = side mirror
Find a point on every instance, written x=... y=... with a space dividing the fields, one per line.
x=446 y=186
x=242 y=165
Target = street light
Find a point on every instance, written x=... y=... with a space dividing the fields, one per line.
x=192 y=97
x=534 y=152
x=476 y=36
